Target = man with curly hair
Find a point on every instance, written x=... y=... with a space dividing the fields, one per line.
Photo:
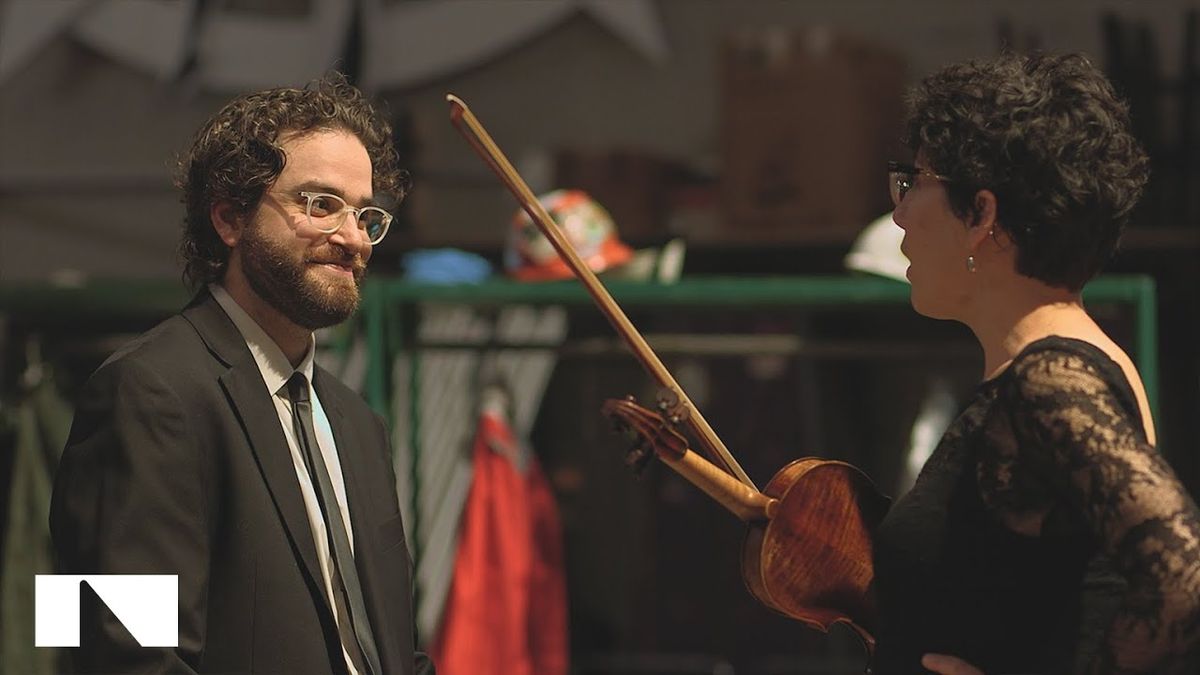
x=213 y=448
x=1045 y=534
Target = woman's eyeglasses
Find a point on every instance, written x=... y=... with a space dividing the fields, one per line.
x=902 y=177
x=327 y=213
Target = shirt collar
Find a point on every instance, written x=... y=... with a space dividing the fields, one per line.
x=274 y=366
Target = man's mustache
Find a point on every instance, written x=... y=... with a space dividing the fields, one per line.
x=339 y=255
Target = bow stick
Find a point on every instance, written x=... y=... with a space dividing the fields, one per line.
x=486 y=148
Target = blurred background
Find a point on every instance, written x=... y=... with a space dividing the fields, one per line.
x=751 y=134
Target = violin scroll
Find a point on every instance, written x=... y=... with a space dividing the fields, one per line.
x=655 y=434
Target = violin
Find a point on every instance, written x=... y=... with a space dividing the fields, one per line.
x=807 y=552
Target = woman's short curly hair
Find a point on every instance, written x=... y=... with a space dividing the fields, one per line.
x=236 y=156
x=1050 y=138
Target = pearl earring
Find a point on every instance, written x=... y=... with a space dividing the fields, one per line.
x=971 y=267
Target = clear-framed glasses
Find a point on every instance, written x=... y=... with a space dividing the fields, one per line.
x=901 y=178
x=327 y=213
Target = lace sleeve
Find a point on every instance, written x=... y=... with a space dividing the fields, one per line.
x=1071 y=425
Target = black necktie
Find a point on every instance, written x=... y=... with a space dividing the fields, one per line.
x=353 y=625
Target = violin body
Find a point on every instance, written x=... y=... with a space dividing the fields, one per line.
x=808 y=547
x=812 y=560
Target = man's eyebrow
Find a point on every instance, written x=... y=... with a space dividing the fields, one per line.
x=318 y=186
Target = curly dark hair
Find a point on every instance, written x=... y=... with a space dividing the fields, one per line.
x=1050 y=138
x=236 y=156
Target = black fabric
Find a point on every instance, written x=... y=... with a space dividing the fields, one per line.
x=354 y=627
x=1026 y=544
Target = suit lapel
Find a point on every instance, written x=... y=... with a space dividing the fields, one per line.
x=252 y=404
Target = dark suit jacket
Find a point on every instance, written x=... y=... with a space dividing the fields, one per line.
x=177 y=464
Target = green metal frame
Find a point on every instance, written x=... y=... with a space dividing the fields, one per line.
x=387 y=297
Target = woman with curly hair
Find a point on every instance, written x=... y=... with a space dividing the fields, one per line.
x=1045 y=534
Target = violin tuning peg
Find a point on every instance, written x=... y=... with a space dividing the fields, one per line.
x=667 y=398
x=637 y=458
x=680 y=414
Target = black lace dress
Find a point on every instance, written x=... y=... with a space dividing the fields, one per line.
x=1044 y=535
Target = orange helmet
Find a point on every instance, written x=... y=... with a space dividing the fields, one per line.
x=529 y=256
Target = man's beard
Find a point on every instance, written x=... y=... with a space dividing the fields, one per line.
x=285 y=283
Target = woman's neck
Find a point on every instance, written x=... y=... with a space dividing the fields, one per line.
x=1027 y=310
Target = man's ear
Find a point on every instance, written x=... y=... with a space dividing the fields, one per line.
x=228 y=223
x=983 y=219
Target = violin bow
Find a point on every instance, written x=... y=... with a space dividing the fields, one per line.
x=468 y=125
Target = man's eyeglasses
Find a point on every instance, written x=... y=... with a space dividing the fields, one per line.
x=901 y=178
x=327 y=213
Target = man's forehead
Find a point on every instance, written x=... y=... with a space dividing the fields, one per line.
x=327 y=160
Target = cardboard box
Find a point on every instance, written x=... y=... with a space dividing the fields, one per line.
x=809 y=118
x=632 y=186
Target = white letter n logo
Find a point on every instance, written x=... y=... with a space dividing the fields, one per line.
x=146 y=604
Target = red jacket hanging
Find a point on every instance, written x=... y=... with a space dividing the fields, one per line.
x=506 y=613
